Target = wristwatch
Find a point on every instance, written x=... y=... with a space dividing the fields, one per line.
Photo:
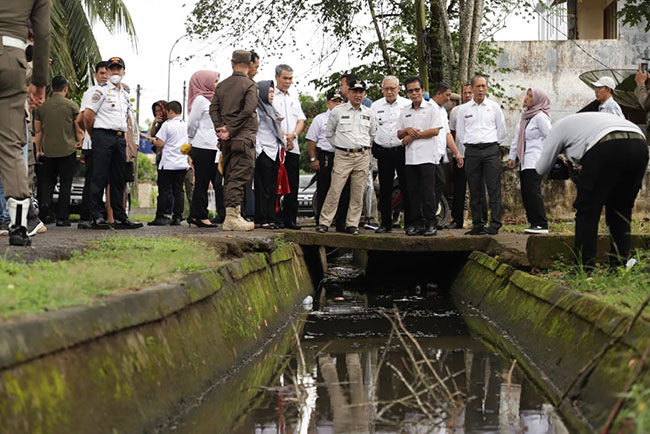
x=312 y=159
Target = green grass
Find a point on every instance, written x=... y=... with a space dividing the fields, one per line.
x=625 y=289
x=111 y=265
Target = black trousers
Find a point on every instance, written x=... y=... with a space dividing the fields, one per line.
x=323 y=181
x=266 y=180
x=611 y=175
x=171 y=182
x=206 y=171
x=84 y=207
x=61 y=169
x=483 y=164
x=109 y=153
x=389 y=161
x=290 y=202
x=421 y=182
x=459 y=182
x=531 y=195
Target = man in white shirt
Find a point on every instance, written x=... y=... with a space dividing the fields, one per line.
x=173 y=165
x=389 y=152
x=604 y=92
x=613 y=156
x=417 y=127
x=321 y=160
x=481 y=128
x=441 y=94
x=293 y=122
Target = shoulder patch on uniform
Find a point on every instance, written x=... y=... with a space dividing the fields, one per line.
x=365 y=117
x=96 y=96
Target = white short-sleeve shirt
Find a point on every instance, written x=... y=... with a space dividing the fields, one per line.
x=111 y=106
x=316 y=132
x=288 y=106
x=174 y=133
x=386 y=116
x=426 y=117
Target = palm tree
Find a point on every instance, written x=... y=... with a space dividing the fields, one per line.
x=74 y=47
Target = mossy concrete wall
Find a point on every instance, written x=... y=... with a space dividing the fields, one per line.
x=126 y=364
x=554 y=333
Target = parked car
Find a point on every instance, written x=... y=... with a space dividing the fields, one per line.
x=78 y=187
x=306 y=191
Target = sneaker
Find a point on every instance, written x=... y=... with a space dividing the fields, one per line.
x=536 y=230
x=321 y=229
x=4 y=228
x=35 y=226
x=371 y=225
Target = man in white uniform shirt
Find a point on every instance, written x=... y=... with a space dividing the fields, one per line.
x=389 y=152
x=441 y=94
x=293 y=122
x=481 y=128
x=101 y=77
x=417 y=127
x=604 y=94
x=321 y=160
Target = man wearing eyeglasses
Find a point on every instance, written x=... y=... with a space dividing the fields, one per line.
x=388 y=150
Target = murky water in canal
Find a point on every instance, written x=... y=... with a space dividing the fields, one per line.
x=360 y=368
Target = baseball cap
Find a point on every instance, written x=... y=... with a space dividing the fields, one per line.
x=605 y=82
x=358 y=85
x=115 y=61
x=333 y=95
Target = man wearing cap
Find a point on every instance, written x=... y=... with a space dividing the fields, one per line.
x=388 y=150
x=642 y=92
x=604 y=91
x=106 y=120
x=613 y=156
x=293 y=122
x=350 y=129
x=14 y=15
x=344 y=88
x=233 y=113
x=321 y=160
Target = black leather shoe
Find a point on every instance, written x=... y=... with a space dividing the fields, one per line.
x=340 y=229
x=383 y=230
x=127 y=224
x=492 y=230
x=321 y=229
x=294 y=226
x=454 y=225
x=85 y=224
x=430 y=231
x=176 y=221
x=480 y=230
x=352 y=230
x=160 y=221
x=100 y=223
x=18 y=236
x=412 y=230
x=63 y=222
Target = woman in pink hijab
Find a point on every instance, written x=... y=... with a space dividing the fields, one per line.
x=203 y=138
x=527 y=145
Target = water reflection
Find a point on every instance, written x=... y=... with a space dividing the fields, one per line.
x=355 y=373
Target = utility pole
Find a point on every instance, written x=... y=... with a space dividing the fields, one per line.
x=135 y=163
x=169 y=66
x=184 y=96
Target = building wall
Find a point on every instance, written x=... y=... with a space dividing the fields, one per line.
x=590 y=18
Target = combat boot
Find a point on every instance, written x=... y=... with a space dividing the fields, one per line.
x=235 y=222
x=244 y=225
x=18 y=226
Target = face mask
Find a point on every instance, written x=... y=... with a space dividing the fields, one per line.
x=115 y=79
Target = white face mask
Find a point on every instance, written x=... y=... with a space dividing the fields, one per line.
x=115 y=79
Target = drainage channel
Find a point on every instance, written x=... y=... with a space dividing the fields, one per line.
x=393 y=357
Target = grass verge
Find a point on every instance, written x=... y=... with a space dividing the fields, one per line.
x=111 y=265
x=620 y=287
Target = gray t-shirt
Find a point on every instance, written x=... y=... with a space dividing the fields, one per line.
x=575 y=134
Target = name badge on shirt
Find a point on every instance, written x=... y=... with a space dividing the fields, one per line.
x=345 y=117
x=408 y=116
x=468 y=116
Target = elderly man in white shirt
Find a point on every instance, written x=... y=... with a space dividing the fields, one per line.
x=293 y=122
x=417 y=127
x=321 y=161
x=389 y=152
x=481 y=128
x=604 y=94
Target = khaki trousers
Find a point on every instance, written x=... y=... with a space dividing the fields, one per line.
x=355 y=166
x=12 y=122
x=238 y=165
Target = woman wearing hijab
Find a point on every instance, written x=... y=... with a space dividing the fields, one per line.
x=267 y=149
x=530 y=133
x=203 y=138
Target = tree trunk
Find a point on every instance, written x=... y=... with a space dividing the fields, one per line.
x=465 y=17
x=380 y=39
x=477 y=19
x=446 y=43
x=420 y=27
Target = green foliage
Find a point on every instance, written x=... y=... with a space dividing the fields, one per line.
x=146 y=168
x=311 y=108
x=110 y=265
x=636 y=410
x=634 y=12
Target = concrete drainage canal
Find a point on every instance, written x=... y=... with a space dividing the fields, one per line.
x=394 y=356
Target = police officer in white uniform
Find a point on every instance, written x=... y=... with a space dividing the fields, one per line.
x=388 y=150
x=105 y=119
